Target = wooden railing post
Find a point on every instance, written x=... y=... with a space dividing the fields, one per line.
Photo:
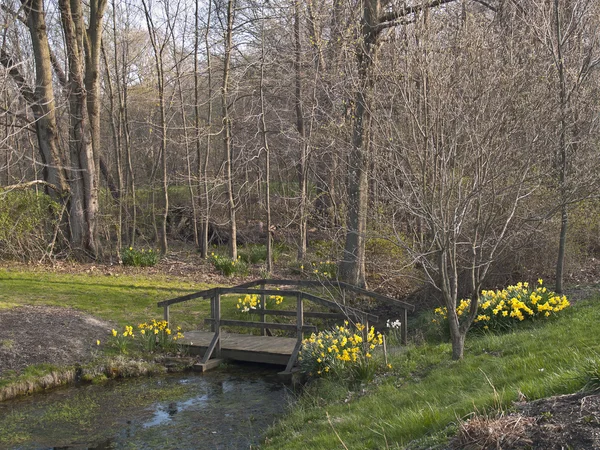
x=299 y=316
x=215 y=343
x=299 y=333
x=404 y=327
x=213 y=300
x=263 y=306
x=166 y=315
x=218 y=323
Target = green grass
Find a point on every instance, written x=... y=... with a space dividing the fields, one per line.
x=427 y=392
x=124 y=300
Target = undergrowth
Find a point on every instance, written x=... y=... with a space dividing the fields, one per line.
x=416 y=404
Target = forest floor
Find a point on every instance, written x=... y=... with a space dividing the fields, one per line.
x=555 y=423
x=65 y=337
x=48 y=335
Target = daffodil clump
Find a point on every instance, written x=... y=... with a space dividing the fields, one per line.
x=158 y=334
x=139 y=258
x=320 y=269
x=228 y=266
x=121 y=340
x=514 y=304
x=252 y=301
x=341 y=351
x=153 y=335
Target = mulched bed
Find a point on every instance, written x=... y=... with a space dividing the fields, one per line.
x=555 y=423
x=45 y=334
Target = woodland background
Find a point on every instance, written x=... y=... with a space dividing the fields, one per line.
x=451 y=142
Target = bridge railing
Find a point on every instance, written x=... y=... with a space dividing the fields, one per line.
x=404 y=307
x=345 y=311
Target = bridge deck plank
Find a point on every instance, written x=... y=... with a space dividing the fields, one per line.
x=243 y=347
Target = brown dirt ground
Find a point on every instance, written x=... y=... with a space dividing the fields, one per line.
x=557 y=423
x=46 y=334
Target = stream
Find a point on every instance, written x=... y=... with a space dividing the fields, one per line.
x=228 y=408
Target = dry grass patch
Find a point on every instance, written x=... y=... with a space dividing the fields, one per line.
x=502 y=432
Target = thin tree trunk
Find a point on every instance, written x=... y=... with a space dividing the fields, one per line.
x=124 y=108
x=160 y=79
x=265 y=142
x=203 y=170
x=116 y=133
x=303 y=170
x=562 y=151
x=186 y=144
x=92 y=46
x=227 y=130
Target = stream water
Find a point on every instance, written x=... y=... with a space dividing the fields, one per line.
x=223 y=409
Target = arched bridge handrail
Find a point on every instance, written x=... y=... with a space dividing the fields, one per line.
x=250 y=288
x=338 y=284
x=210 y=293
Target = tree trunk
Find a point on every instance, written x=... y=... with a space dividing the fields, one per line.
x=83 y=178
x=115 y=126
x=41 y=100
x=92 y=45
x=186 y=143
x=352 y=266
x=203 y=170
x=303 y=169
x=265 y=142
x=227 y=131
x=562 y=150
x=160 y=80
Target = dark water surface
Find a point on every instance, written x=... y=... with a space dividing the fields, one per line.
x=224 y=409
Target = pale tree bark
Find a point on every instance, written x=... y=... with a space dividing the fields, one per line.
x=226 y=130
x=92 y=45
x=186 y=137
x=302 y=141
x=158 y=49
x=203 y=168
x=265 y=144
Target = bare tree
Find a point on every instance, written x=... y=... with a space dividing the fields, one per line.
x=226 y=127
x=450 y=166
x=159 y=43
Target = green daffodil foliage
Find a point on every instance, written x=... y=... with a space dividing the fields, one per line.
x=149 y=337
x=345 y=352
x=502 y=309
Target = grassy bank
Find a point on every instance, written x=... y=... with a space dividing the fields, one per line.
x=123 y=299
x=417 y=406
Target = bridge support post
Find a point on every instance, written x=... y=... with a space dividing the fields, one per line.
x=263 y=306
x=404 y=329
x=299 y=333
x=215 y=343
x=166 y=315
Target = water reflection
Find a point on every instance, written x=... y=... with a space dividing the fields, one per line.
x=227 y=409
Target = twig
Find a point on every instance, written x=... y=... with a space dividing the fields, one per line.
x=336 y=433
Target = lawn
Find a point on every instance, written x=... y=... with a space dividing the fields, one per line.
x=123 y=299
x=419 y=403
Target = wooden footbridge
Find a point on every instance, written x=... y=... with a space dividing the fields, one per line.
x=214 y=345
